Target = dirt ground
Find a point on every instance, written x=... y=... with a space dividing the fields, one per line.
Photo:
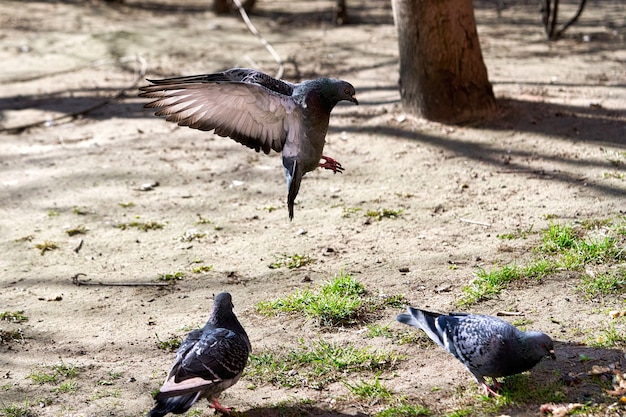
x=555 y=150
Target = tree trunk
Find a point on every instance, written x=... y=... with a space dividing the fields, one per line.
x=442 y=73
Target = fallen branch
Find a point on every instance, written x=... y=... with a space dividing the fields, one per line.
x=78 y=282
x=475 y=222
x=266 y=44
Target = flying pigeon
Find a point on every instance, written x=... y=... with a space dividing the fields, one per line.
x=258 y=111
x=210 y=360
x=486 y=345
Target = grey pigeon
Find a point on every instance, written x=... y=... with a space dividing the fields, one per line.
x=258 y=111
x=486 y=345
x=210 y=360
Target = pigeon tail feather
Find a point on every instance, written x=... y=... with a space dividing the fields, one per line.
x=176 y=405
x=424 y=320
x=294 y=174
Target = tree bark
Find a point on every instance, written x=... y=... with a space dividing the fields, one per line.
x=442 y=73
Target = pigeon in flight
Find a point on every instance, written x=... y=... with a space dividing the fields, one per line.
x=258 y=111
x=486 y=345
x=210 y=360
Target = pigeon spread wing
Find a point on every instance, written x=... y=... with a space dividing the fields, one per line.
x=216 y=356
x=250 y=113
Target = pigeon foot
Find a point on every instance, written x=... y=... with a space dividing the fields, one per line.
x=491 y=391
x=219 y=407
x=331 y=164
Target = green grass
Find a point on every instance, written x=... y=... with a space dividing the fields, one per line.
x=517 y=234
x=13 y=316
x=8 y=336
x=13 y=410
x=291 y=261
x=52 y=374
x=144 y=226
x=171 y=344
x=315 y=364
x=171 y=277
x=400 y=337
x=67 y=387
x=340 y=301
x=40 y=377
x=202 y=269
x=127 y=205
x=602 y=284
x=371 y=391
x=562 y=247
x=384 y=213
x=46 y=246
x=612 y=335
x=405 y=410
x=78 y=230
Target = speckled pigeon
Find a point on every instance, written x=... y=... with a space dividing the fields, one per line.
x=486 y=345
x=258 y=111
x=210 y=360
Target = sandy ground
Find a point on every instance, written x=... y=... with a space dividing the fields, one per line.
x=555 y=150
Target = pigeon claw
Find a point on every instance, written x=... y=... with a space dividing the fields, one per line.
x=219 y=407
x=330 y=163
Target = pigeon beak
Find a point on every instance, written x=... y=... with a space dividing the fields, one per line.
x=552 y=355
x=354 y=100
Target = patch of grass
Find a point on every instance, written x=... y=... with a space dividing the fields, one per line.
x=53 y=213
x=13 y=316
x=106 y=393
x=67 y=387
x=52 y=374
x=349 y=211
x=384 y=213
x=171 y=277
x=612 y=335
x=191 y=235
x=46 y=246
x=372 y=391
x=563 y=247
x=144 y=226
x=171 y=344
x=270 y=208
x=14 y=410
x=41 y=377
x=405 y=410
x=517 y=234
x=202 y=269
x=316 y=364
x=341 y=301
x=8 y=336
x=517 y=389
x=291 y=261
x=603 y=284
x=65 y=370
x=202 y=220
x=80 y=211
x=78 y=230
x=400 y=337
x=130 y=204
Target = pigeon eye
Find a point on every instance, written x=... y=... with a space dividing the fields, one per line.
x=347 y=91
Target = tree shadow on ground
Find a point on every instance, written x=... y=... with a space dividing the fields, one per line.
x=581 y=374
x=293 y=410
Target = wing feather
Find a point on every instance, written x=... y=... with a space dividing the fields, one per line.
x=205 y=360
x=249 y=113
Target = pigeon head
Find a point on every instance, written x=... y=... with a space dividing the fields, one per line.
x=327 y=92
x=542 y=344
x=222 y=308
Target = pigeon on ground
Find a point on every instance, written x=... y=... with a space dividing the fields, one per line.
x=258 y=111
x=486 y=345
x=210 y=360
